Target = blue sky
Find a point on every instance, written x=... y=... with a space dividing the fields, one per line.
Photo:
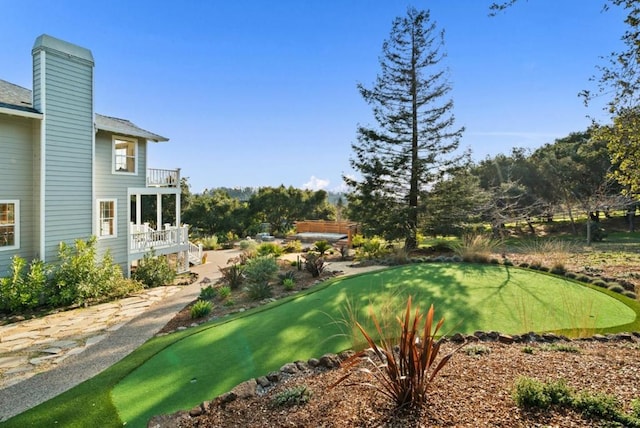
x=263 y=93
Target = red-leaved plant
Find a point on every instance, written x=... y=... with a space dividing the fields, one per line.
x=405 y=369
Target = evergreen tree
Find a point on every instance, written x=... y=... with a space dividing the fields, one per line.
x=412 y=144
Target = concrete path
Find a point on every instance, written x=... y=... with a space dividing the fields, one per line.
x=44 y=357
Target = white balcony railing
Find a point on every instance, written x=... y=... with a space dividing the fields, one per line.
x=144 y=238
x=163 y=177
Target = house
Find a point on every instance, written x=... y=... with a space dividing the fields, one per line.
x=68 y=173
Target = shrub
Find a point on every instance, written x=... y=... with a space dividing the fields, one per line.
x=570 y=275
x=269 y=249
x=371 y=248
x=344 y=251
x=293 y=396
x=292 y=246
x=357 y=240
x=261 y=270
x=528 y=349
x=79 y=277
x=286 y=275
x=629 y=294
x=224 y=292
x=399 y=256
x=201 y=308
x=229 y=302
x=288 y=284
x=259 y=290
x=530 y=393
x=314 y=264
x=248 y=245
x=407 y=366
x=321 y=247
x=600 y=283
x=598 y=405
x=23 y=291
x=550 y=252
x=477 y=350
x=635 y=408
x=209 y=243
x=597 y=232
x=232 y=275
x=154 y=271
x=561 y=347
x=477 y=248
x=207 y=293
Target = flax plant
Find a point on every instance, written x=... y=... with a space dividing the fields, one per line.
x=406 y=366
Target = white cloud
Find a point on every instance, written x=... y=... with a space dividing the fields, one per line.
x=342 y=187
x=315 y=183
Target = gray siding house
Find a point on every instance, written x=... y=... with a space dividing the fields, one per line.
x=68 y=173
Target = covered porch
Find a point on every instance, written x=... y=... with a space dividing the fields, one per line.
x=154 y=213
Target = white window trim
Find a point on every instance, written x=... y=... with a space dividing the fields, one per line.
x=99 y=217
x=16 y=226
x=113 y=155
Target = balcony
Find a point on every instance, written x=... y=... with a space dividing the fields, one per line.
x=163 y=177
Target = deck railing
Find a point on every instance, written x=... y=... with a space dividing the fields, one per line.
x=163 y=177
x=144 y=238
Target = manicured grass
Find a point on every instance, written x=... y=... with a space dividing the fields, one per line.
x=179 y=371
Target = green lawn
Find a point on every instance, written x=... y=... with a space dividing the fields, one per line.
x=178 y=371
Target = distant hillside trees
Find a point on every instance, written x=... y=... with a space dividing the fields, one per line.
x=216 y=212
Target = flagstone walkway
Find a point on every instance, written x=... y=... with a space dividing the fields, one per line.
x=32 y=346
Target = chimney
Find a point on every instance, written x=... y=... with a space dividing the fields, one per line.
x=63 y=92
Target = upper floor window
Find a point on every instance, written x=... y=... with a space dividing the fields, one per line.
x=125 y=155
x=9 y=224
x=107 y=214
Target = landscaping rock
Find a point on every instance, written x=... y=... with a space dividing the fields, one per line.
x=330 y=361
x=289 y=368
x=505 y=338
x=274 y=377
x=246 y=389
x=263 y=381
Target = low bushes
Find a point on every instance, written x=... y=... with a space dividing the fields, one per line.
x=532 y=394
x=154 y=271
x=79 y=279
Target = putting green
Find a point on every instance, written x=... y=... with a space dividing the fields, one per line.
x=470 y=297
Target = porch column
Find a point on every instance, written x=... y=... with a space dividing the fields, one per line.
x=178 y=209
x=138 y=208
x=159 y=211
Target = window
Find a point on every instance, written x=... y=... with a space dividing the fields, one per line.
x=125 y=153
x=107 y=216
x=9 y=225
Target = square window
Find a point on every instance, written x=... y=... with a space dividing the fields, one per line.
x=125 y=153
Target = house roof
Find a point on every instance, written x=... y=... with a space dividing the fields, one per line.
x=14 y=97
x=123 y=126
